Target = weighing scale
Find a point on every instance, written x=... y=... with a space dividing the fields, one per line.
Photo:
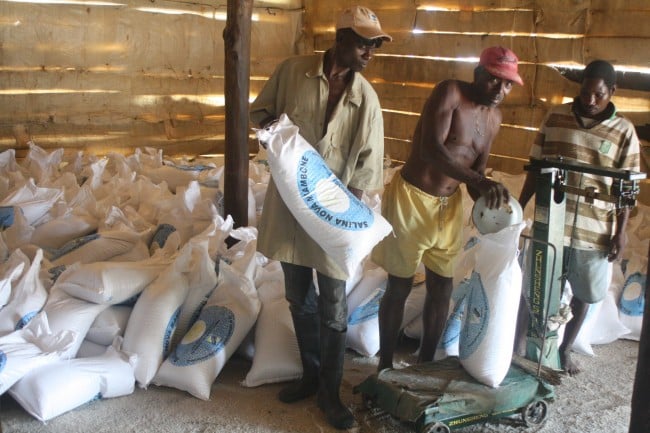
x=546 y=275
x=439 y=396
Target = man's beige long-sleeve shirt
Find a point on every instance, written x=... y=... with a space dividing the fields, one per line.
x=352 y=147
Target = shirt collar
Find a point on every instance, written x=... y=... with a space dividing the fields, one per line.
x=317 y=67
x=353 y=93
x=609 y=112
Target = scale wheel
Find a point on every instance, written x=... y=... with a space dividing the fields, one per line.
x=437 y=427
x=535 y=413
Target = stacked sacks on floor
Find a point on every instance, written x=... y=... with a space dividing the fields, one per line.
x=154 y=318
x=109 y=325
x=25 y=293
x=137 y=268
x=79 y=380
x=227 y=317
x=29 y=348
x=363 y=311
x=128 y=271
x=79 y=247
x=275 y=356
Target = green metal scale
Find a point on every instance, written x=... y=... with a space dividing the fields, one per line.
x=546 y=274
x=440 y=396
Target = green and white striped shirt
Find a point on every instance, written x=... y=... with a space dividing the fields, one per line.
x=610 y=143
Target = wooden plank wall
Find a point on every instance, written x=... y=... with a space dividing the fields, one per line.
x=113 y=76
x=437 y=40
x=104 y=76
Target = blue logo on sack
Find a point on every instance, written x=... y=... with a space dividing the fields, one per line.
x=130 y=302
x=328 y=198
x=471 y=242
x=56 y=272
x=632 y=300
x=3 y=360
x=195 y=315
x=25 y=320
x=162 y=233
x=477 y=317
x=451 y=334
x=198 y=167
x=6 y=217
x=72 y=245
x=209 y=334
x=367 y=311
x=171 y=326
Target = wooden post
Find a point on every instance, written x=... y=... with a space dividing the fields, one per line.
x=640 y=417
x=237 y=38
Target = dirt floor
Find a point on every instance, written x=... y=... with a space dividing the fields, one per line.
x=596 y=401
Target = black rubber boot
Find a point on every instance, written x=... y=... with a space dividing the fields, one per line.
x=307 y=333
x=331 y=374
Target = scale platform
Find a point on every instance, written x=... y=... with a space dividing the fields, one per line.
x=440 y=396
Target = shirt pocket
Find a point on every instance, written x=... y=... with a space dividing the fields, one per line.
x=336 y=147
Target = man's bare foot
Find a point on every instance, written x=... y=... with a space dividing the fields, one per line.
x=568 y=365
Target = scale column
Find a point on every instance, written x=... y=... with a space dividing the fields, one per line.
x=545 y=267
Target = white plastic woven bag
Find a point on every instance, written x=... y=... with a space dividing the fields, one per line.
x=224 y=322
x=489 y=321
x=345 y=227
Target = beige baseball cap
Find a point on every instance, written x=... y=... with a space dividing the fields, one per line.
x=363 y=21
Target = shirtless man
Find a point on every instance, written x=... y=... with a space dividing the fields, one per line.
x=423 y=202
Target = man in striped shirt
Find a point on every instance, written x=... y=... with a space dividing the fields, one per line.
x=588 y=130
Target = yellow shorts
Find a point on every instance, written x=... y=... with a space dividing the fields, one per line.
x=426 y=228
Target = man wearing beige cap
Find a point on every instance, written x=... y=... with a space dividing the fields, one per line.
x=338 y=112
x=423 y=202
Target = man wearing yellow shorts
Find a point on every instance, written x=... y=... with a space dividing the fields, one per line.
x=451 y=145
x=426 y=229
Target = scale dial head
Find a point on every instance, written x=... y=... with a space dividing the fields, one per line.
x=489 y=220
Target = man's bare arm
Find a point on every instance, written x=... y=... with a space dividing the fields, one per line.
x=479 y=167
x=619 y=240
x=528 y=190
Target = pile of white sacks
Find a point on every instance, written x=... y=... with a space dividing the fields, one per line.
x=115 y=272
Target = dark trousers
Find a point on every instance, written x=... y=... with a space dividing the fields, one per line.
x=330 y=303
